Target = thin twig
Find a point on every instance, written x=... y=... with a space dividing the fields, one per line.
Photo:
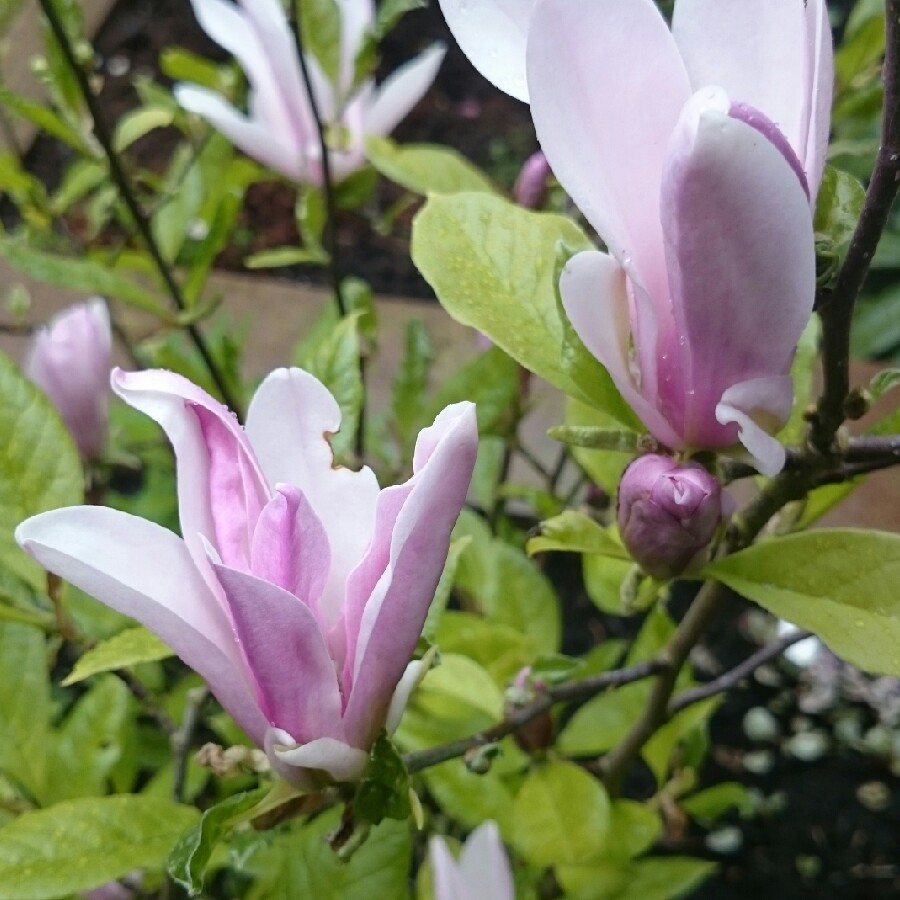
x=182 y=738
x=836 y=306
x=128 y=196
x=331 y=240
x=147 y=700
x=732 y=677
x=521 y=716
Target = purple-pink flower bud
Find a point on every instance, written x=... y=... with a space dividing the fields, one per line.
x=668 y=513
x=69 y=361
x=530 y=189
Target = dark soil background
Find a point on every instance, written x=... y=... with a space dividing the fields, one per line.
x=821 y=841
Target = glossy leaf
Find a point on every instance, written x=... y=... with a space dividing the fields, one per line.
x=127 y=648
x=576 y=532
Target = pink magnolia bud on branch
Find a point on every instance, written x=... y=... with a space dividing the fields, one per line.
x=69 y=361
x=530 y=189
x=668 y=513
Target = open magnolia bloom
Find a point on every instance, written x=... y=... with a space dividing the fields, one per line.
x=695 y=153
x=280 y=129
x=299 y=589
x=482 y=872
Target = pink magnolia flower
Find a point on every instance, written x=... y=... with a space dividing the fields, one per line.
x=482 y=872
x=279 y=129
x=69 y=361
x=299 y=589
x=695 y=153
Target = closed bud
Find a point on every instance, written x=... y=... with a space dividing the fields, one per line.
x=668 y=513
x=530 y=189
x=70 y=362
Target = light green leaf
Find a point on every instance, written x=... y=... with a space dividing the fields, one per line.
x=190 y=856
x=576 y=532
x=708 y=805
x=280 y=257
x=592 y=437
x=802 y=371
x=426 y=168
x=411 y=383
x=89 y=743
x=135 y=124
x=444 y=589
x=603 y=578
x=321 y=29
x=645 y=879
x=493 y=266
x=840 y=584
x=39 y=465
x=76 y=274
x=603 y=466
x=659 y=751
x=562 y=814
x=884 y=381
x=633 y=829
x=24 y=709
x=45 y=119
x=300 y=864
x=127 y=648
x=81 y=844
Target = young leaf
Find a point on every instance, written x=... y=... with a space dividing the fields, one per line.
x=492 y=265
x=81 y=844
x=840 y=584
x=127 y=648
x=39 y=465
x=561 y=814
x=578 y=533
x=426 y=168
x=383 y=792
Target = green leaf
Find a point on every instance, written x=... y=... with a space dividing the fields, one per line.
x=411 y=383
x=189 y=857
x=592 y=437
x=503 y=651
x=426 y=168
x=659 y=751
x=81 y=844
x=882 y=382
x=444 y=588
x=492 y=265
x=645 y=879
x=321 y=28
x=561 y=815
x=127 y=648
x=76 y=274
x=838 y=207
x=391 y=11
x=603 y=579
x=280 y=257
x=507 y=586
x=135 y=124
x=633 y=829
x=383 y=792
x=803 y=370
x=24 y=709
x=860 y=52
x=300 y=864
x=578 y=533
x=181 y=65
x=840 y=584
x=708 y=805
x=45 y=119
x=39 y=465
x=89 y=743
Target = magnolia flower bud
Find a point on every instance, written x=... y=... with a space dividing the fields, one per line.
x=530 y=189
x=70 y=362
x=668 y=513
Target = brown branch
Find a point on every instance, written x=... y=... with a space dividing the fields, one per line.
x=836 y=306
x=732 y=677
x=572 y=690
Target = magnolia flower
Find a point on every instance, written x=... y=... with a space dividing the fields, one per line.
x=482 y=872
x=667 y=513
x=695 y=154
x=69 y=361
x=280 y=129
x=299 y=589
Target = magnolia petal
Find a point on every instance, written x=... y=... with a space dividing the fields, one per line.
x=215 y=464
x=492 y=34
x=411 y=679
x=485 y=865
x=288 y=423
x=295 y=679
x=821 y=62
x=758 y=407
x=382 y=627
x=145 y=571
x=593 y=291
x=255 y=139
x=402 y=91
x=449 y=883
x=607 y=85
x=739 y=242
x=290 y=547
x=756 y=50
x=340 y=760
